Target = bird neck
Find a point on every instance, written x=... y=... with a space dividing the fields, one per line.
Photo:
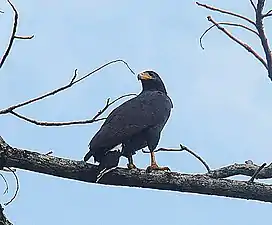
x=154 y=87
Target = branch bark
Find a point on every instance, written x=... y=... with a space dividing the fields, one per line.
x=209 y=184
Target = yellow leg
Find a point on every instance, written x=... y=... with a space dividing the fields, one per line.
x=130 y=164
x=154 y=165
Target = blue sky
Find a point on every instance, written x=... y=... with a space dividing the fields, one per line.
x=222 y=105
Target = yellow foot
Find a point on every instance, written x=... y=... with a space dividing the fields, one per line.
x=131 y=166
x=156 y=167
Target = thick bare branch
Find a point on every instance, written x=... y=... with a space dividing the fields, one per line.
x=262 y=35
x=242 y=169
x=200 y=183
x=244 y=45
x=77 y=122
x=225 y=12
x=13 y=34
x=227 y=24
x=70 y=84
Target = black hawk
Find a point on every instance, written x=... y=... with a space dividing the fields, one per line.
x=135 y=124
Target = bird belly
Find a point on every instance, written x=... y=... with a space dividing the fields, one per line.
x=131 y=146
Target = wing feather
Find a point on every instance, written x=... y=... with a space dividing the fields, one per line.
x=137 y=114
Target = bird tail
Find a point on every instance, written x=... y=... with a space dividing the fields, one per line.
x=88 y=156
x=108 y=163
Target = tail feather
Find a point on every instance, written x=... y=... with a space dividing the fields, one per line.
x=88 y=156
x=108 y=163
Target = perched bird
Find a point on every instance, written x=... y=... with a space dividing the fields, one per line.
x=135 y=124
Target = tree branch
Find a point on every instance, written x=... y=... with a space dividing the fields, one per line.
x=253 y=5
x=258 y=24
x=225 y=12
x=200 y=183
x=262 y=36
x=227 y=24
x=269 y=13
x=55 y=91
x=244 y=45
x=13 y=34
x=182 y=148
x=77 y=122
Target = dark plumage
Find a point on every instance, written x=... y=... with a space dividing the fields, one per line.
x=135 y=124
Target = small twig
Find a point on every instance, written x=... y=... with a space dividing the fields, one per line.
x=101 y=67
x=78 y=122
x=6 y=183
x=50 y=124
x=24 y=37
x=225 y=12
x=74 y=77
x=228 y=24
x=251 y=180
x=1 y=11
x=244 y=45
x=17 y=188
x=269 y=13
x=70 y=84
x=182 y=148
x=9 y=169
x=253 y=5
x=49 y=153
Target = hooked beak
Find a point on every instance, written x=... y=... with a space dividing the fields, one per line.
x=144 y=76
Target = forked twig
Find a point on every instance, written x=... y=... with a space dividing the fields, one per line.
x=258 y=24
x=13 y=34
x=72 y=82
x=77 y=122
x=227 y=24
x=182 y=148
x=244 y=45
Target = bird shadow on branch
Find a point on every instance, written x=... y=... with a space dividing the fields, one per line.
x=258 y=30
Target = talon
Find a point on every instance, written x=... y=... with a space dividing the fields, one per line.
x=131 y=166
x=156 y=167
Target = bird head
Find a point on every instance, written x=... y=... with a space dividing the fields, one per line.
x=151 y=81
